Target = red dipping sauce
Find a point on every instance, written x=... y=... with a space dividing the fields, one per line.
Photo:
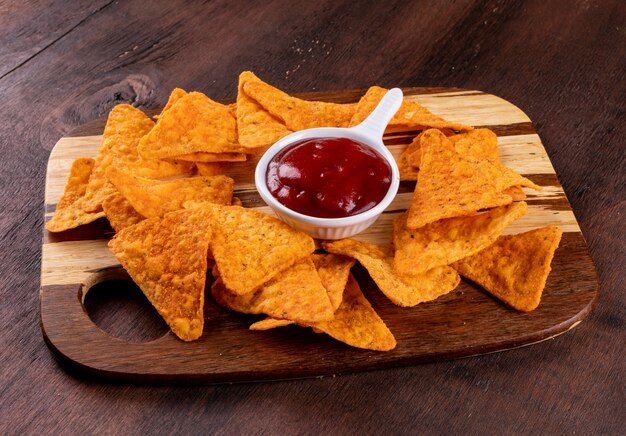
x=328 y=177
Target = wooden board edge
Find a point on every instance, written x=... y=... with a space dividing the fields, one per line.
x=74 y=366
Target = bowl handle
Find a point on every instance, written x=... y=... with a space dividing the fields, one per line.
x=374 y=125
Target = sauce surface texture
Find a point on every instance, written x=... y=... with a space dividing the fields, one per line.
x=328 y=177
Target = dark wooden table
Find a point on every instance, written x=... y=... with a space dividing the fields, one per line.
x=63 y=63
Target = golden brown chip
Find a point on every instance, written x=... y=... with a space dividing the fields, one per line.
x=236 y=202
x=516 y=193
x=451 y=185
x=210 y=168
x=250 y=247
x=153 y=198
x=212 y=157
x=355 y=322
x=408 y=168
x=69 y=212
x=270 y=323
x=514 y=268
x=481 y=143
x=125 y=126
x=333 y=271
x=194 y=123
x=403 y=291
x=299 y=114
x=120 y=212
x=411 y=114
x=176 y=95
x=167 y=258
x=296 y=294
x=445 y=241
x=256 y=127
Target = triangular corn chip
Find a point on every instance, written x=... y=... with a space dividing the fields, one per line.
x=516 y=193
x=194 y=123
x=256 y=127
x=483 y=144
x=120 y=212
x=176 y=95
x=69 y=211
x=480 y=143
x=355 y=322
x=411 y=114
x=445 y=241
x=451 y=185
x=270 y=323
x=278 y=295
x=409 y=169
x=125 y=126
x=153 y=198
x=409 y=160
x=250 y=247
x=403 y=291
x=299 y=114
x=167 y=258
x=514 y=268
x=333 y=271
x=296 y=294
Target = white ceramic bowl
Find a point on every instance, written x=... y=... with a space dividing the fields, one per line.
x=369 y=132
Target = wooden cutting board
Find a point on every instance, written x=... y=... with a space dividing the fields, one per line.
x=463 y=323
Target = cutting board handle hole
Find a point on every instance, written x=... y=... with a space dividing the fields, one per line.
x=116 y=305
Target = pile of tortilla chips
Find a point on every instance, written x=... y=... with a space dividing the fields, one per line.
x=163 y=188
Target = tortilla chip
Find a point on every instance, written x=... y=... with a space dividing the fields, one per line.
x=515 y=268
x=152 y=198
x=409 y=169
x=210 y=168
x=296 y=294
x=403 y=291
x=299 y=114
x=69 y=212
x=120 y=212
x=194 y=123
x=333 y=271
x=212 y=157
x=256 y=127
x=176 y=94
x=270 y=323
x=236 y=202
x=516 y=193
x=481 y=143
x=250 y=247
x=411 y=114
x=445 y=241
x=125 y=126
x=355 y=322
x=451 y=185
x=167 y=258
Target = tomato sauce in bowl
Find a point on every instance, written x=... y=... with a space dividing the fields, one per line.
x=328 y=177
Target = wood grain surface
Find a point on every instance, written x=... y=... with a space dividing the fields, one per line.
x=463 y=323
x=65 y=63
